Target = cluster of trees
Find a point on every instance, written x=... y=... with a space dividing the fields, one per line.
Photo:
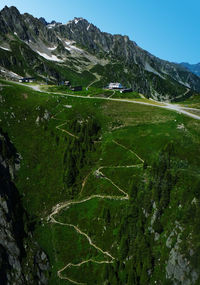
x=77 y=151
x=137 y=259
x=163 y=179
x=167 y=86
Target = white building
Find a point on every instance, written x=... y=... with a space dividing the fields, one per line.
x=115 y=85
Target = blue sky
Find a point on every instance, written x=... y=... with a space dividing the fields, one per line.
x=168 y=29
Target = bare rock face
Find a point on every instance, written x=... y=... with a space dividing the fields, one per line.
x=43 y=21
x=118 y=47
x=138 y=69
x=10 y=19
x=178 y=267
x=21 y=259
x=26 y=27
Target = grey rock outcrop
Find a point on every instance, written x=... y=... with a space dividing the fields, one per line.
x=178 y=268
x=25 y=26
x=21 y=259
x=122 y=48
x=32 y=44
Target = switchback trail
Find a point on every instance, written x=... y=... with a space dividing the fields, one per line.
x=96 y=80
x=64 y=131
x=66 y=205
x=129 y=150
x=112 y=94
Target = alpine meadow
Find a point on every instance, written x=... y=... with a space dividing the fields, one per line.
x=99 y=158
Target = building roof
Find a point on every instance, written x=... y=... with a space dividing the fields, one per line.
x=115 y=85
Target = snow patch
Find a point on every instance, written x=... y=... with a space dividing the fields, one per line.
x=68 y=42
x=67 y=106
x=88 y=27
x=13 y=74
x=48 y=57
x=76 y=20
x=52 y=48
x=50 y=26
x=7 y=49
x=184 y=83
x=9 y=73
x=28 y=42
x=70 y=46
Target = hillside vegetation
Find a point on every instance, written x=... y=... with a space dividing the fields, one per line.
x=112 y=188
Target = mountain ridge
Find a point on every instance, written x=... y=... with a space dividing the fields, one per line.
x=194 y=68
x=79 y=46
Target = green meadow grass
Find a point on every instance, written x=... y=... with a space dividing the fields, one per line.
x=142 y=129
x=191 y=102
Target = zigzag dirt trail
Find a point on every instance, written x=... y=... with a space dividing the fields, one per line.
x=61 y=206
x=64 y=131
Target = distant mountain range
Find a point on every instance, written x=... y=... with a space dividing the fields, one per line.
x=78 y=51
x=194 y=68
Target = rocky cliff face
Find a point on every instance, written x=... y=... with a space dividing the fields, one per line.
x=21 y=259
x=31 y=46
x=25 y=26
x=122 y=48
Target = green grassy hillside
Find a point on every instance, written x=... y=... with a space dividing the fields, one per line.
x=112 y=187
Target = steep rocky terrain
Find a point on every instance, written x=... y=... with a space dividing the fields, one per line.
x=121 y=48
x=80 y=52
x=21 y=259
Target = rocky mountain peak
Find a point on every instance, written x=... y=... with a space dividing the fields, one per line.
x=11 y=8
x=10 y=12
x=80 y=23
x=58 y=42
x=78 y=19
x=43 y=21
x=10 y=20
